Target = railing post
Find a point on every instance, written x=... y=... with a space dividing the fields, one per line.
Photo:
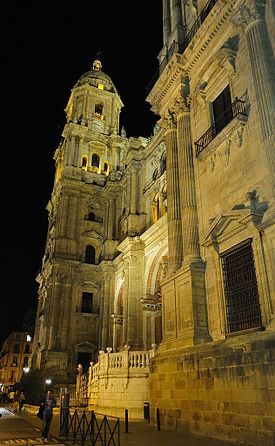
x=93 y=428
x=64 y=412
x=126 y=421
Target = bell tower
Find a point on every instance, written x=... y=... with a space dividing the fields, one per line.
x=82 y=233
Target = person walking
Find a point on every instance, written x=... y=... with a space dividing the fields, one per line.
x=21 y=400
x=11 y=398
x=48 y=404
x=16 y=401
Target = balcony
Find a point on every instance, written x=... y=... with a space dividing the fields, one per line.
x=236 y=109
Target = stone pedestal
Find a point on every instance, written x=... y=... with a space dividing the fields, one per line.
x=184 y=308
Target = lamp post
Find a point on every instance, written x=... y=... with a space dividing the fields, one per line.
x=48 y=382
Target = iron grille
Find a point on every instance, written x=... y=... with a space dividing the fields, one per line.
x=240 y=289
x=236 y=108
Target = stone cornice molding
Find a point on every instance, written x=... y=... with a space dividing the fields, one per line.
x=186 y=62
x=166 y=82
x=228 y=224
x=248 y=13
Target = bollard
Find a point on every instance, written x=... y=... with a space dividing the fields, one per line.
x=64 y=412
x=126 y=421
x=158 y=420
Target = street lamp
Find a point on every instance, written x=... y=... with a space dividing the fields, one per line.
x=47 y=382
x=26 y=369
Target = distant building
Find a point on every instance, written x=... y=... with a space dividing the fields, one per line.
x=168 y=241
x=15 y=358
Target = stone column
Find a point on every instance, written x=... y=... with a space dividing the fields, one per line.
x=111 y=216
x=66 y=316
x=76 y=142
x=166 y=20
x=176 y=15
x=188 y=199
x=173 y=194
x=105 y=312
x=251 y=17
x=134 y=188
x=54 y=309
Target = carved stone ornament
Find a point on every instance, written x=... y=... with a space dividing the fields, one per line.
x=250 y=12
x=182 y=102
x=168 y=121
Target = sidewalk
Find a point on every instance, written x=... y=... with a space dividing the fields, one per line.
x=25 y=428
x=16 y=429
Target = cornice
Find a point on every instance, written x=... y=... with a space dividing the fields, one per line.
x=220 y=13
x=184 y=64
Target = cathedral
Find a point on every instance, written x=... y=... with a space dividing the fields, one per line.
x=165 y=245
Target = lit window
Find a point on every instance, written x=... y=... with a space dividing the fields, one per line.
x=95 y=162
x=99 y=109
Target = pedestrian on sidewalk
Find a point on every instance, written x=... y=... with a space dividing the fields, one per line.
x=11 y=398
x=21 y=400
x=48 y=404
x=16 y=401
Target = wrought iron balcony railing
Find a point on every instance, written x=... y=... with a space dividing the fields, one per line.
x=236 y=108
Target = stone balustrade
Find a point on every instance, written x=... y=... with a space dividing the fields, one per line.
x=112 y=375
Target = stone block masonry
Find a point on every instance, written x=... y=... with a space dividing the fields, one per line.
x=222 y=389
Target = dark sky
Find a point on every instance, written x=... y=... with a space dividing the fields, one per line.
x=47 y=46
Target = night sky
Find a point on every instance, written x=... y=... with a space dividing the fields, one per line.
x=47 y=46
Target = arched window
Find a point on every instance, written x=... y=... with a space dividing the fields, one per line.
x=99 y=109
x=84 y=162
x=90 y=254
x=95 y=160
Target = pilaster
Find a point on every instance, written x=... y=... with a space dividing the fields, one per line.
x=251 y=18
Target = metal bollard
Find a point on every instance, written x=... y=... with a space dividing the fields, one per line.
x=126 y=421
x=158 y=419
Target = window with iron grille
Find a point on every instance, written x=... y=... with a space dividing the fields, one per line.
x=240 y=288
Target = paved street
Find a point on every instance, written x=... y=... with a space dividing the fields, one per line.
x=17 y=429
x=25 y=429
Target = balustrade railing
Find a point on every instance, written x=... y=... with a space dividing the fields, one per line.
x=120 y=362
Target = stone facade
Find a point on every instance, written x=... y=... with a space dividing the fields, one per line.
x=214 y=371
x=170 y=240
